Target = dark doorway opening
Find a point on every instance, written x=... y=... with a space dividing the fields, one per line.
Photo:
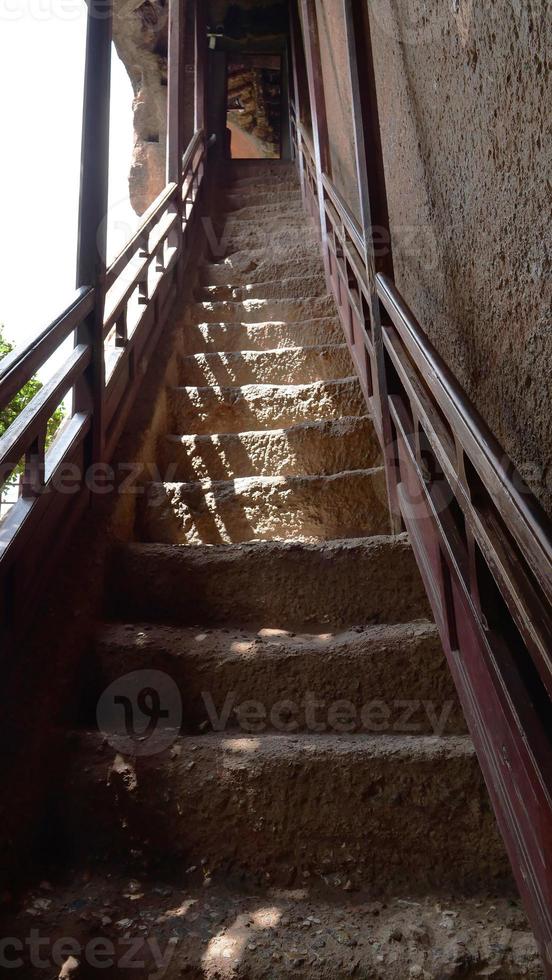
x=254 y=106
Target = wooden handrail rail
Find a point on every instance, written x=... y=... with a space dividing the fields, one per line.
x=141 y=285
x=34 y=417
x=526 y=519
x=192 y=148
x=17 y=368
x=482 y=541
x=351 y=224
x=150 y=219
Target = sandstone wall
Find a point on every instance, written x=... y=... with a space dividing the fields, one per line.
x=337 y=92
x=465 y=110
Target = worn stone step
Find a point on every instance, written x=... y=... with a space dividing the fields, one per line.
x=248 y=198
x=238 y=169
x=224 y=337
x=236 y=222
x=292 y=365
x=204 y=411
x=289 y=207
x=281 y=288
x=254 y=266
x=261 y=508
x=377 y=808
x=268 y=583
x=258 y=183
x=261 y=310
x=272 y=240
x=375 y=679
x=316 y=932
x=310 y=449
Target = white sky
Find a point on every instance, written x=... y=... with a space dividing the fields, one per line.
x=41 y=80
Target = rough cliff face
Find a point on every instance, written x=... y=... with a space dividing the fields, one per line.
x=462 y=89
x=140 y=32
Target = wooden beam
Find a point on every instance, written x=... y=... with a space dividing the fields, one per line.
x=175 y=119
x=92 y=227
x=175 y=114
x=200 y=27
x=300 y=84
x=364 y=106
x=318 y=114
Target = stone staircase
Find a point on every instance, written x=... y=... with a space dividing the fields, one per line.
x=320 y=812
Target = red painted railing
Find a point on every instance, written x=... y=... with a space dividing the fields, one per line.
x=482 y=542
x=140 y=289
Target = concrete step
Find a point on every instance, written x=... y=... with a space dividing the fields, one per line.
x=296 y=286
x=225 y=932
x=204 y=411
x=310 y=449
x=276 y=584
x=224 y=337
x=292 y=365
x=262 y=310
x=391 y=679
x=255 y=265
x=271 y=240
x=265 y=508
x=377 y=808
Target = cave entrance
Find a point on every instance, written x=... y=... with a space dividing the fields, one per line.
x=254 y=106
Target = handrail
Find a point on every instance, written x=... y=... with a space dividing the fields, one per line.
x=195 y=143
x=482 y=541
x=351 y=224
x=150 y=219
x=18 y=367
x=141 y=285
x=495 y=466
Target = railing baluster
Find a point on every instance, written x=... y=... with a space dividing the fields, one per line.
x=92 y=228
x=32 y=480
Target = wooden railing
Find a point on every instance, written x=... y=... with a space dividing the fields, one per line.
x=140 y=288
x=482 y=542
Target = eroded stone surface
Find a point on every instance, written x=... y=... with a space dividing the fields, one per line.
x=290 y=802
x=201 y=929
x=266 y=508
x=293 y=365
x=311 y=449
x=312 y=285
x=209 y=410
x=390 y=678
x=262 y=310
x=353 y=581
x=227 y=337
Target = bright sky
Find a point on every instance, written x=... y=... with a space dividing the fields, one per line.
x=41 y=80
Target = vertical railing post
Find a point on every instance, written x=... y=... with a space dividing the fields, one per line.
x=92 y=227
x=319 y=117
x=200 y=28
x=295 y=36
x=373 y=214
x=175 y=123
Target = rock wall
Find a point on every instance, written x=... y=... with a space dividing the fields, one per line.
x=140 y=35
x=337 y=93
x=464 y=104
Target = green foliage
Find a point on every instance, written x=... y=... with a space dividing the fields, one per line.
x=22 y=399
